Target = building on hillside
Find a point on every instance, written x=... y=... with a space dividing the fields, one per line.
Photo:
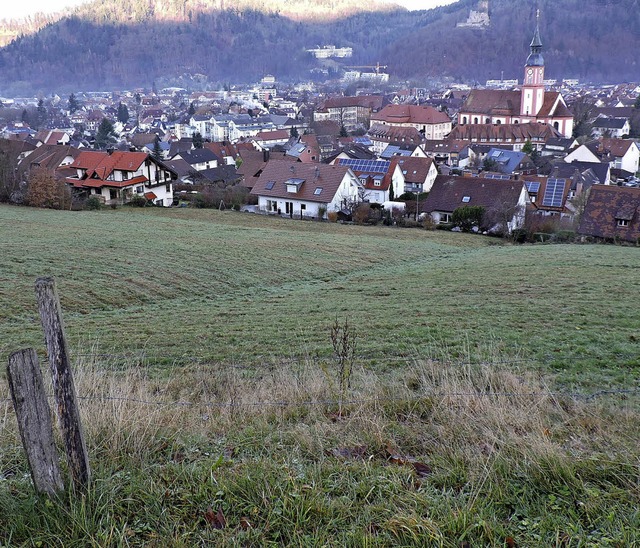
x=504 y=201
x=452 y=152
x=612 y=213
x=430 y=122
x=501 y=135
x=350 y=112
x=620 y=154
x=381 y=179
x=419 y=173
x=116 y=177
x=383 y=135
x=509 y=162
x=532 y=103
x=302 y=190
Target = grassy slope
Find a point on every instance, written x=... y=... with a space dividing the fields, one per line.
x=237 y=288
x=526 y=464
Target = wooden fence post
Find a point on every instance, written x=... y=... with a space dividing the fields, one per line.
x=34 y=420
x=62 y=377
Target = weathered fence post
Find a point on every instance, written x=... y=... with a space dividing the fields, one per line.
x=34 y=420
x=62 y=377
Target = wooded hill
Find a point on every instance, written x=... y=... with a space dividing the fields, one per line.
x=128 y=43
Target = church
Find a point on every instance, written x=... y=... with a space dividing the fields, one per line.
x=532 y=103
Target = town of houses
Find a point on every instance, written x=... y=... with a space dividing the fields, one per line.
x=529 y=151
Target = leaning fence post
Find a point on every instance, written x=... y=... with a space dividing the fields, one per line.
x=34 y=420
x=62 y=377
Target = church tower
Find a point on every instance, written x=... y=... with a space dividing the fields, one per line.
x=533 y=82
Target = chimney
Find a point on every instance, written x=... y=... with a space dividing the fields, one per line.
x=265 y=155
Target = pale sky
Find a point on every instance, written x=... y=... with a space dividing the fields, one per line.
x=12 y=9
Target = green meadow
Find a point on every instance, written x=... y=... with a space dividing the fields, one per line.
x=208 y=384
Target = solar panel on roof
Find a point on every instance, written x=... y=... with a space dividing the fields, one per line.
x=533 y=186
x=371 y=166
x=554 y=192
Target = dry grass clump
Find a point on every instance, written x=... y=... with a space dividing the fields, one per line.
x=426 y=452
x=477 y=411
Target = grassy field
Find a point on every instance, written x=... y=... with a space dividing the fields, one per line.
x=226 y=287
x=467 y=348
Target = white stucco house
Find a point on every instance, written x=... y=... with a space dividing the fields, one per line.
x=297 y=189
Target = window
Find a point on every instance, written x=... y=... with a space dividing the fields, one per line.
x=317 y=191
x=444 y=218
x=623 y=222
x=475 y=120
x=168 y=187
x=464 y=120
x=303 y=206
x=377 y=183
x=466 y=199
x=113 y=194
x=269 y=185
x=140 y=189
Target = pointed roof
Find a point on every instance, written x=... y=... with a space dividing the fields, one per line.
x=535 y=58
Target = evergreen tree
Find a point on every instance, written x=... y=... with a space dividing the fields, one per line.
x=293 y=132
x=157 y=151
x=531 y=151
x=636 y=105
x=105 y=135
x=391 y=192
x=197 y=140
x=343 y=131
x=73 y=104
x=123 y=113
x=41 y=114
x=192 y=109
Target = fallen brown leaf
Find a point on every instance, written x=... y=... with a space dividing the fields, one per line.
x=215 y=519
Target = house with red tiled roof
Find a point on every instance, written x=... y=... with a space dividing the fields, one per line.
x=504 y=202
x=501 y=135
x=116 y=177
x=430 y=122
x=531 y=103
x=298 y=190
x=612 y=213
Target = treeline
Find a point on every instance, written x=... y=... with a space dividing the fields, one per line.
x=131 y=43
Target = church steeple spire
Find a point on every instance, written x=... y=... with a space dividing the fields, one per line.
x=535 y=58
x=533 y=82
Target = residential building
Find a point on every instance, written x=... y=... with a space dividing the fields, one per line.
x=350 y=112
x=504 y=201
x=612 y=213
x=116 y=177
x=430 y=122
x=300 y=190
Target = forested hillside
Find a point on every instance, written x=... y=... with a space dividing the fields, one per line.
x=129 y=43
